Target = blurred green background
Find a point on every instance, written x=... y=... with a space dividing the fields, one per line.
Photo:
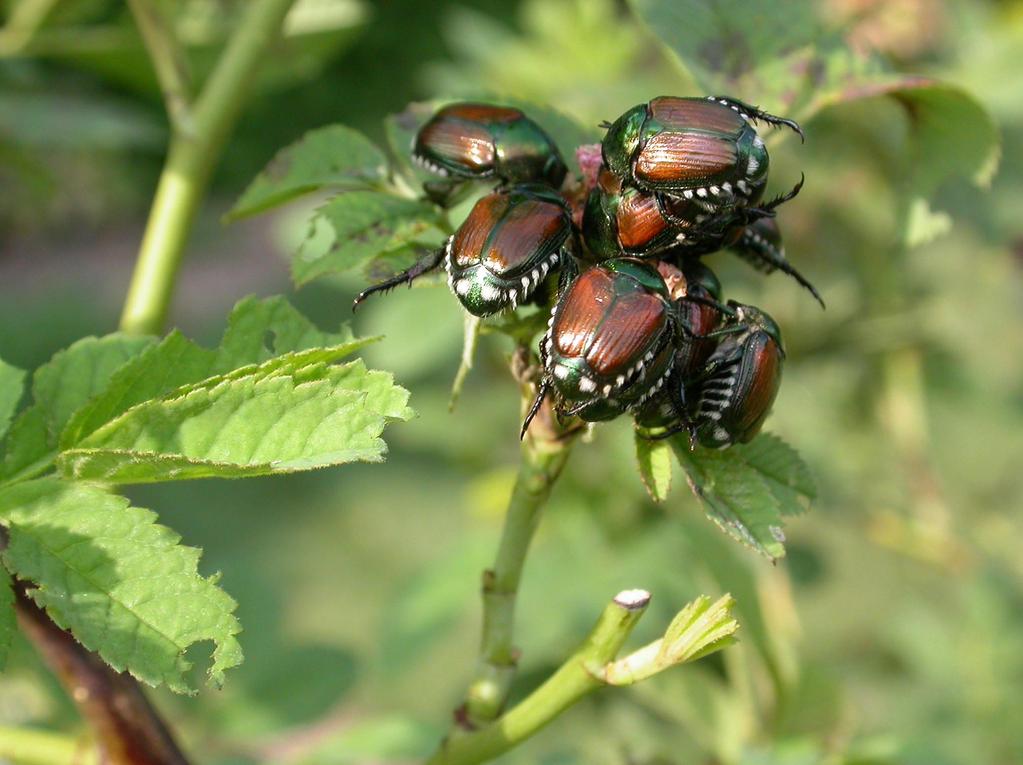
x=892 y=632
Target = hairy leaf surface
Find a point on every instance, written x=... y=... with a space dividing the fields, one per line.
x=331 y=157
x=363 y=225
x=12 y=382
x=258 y=331
x=119 y=581
x=747 y=489
x=292 y=413
x=654 y=459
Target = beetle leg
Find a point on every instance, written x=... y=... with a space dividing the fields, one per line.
x=756 y=113
x=768 y=210
x=721 y=208
x=763 y=256
x=685 y=332
x=728 y=311
x=569 y=272
x=724 y=332
x=541 y=394
x=425 y=264
x=685 y=424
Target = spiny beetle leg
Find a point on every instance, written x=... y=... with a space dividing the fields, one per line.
x=428 y=263
x=783 y=198
x=769 y=260
x=756 y=113
x=541 y=394
x=726 y=310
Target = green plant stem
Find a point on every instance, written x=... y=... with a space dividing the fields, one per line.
x=35 y=747
x=168 y=61
x=544 y=452
x=581 y=673
x=190 y=160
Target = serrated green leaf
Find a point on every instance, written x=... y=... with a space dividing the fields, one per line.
x=260 y=329
x=257 y=331
x=117 y=580
x=7 y=625
x=654 y=460
x=28 y=446
x=170 y=364
x=400 y=130
x=788 y=477
x=12 y=381
x=79 y=372
x=331 y=157
x=59 y=388
x=365 y=224
x=291 y=413
x=735 y=496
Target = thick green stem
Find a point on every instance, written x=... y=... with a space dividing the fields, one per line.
x=579 y=675
x=190 y=160
x=543 y=455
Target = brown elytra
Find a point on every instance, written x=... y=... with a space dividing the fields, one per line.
x=503 y=237
x=670 y=157
x=709 y=115
x=608 y=330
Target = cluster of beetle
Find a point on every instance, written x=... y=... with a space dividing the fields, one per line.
x=636 y=321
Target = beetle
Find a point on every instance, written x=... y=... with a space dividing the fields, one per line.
x=696 y=292
x=622 y=220
x=470 y=141
x=512 y=239
x=729 y=399
x=609 y=344
x=619 y=219
x=697 y=148
x=733 y=394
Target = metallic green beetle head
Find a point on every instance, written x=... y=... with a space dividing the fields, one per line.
x=622 y=140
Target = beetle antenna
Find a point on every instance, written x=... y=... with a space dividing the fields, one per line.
x=541 y=394
x=604 y=124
